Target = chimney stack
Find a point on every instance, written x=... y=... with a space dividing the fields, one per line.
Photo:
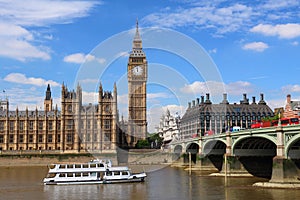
x=207 y=101
x=225 y=101
x=288 y=99
x=261 y=101
x=253 y=100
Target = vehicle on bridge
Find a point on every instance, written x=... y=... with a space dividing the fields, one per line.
x=283 y=122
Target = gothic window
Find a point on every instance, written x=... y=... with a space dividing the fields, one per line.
x=58 y=138
x=50 y=138
x=1 y=138
x=58 y=125
x=1 y=125
x=11 y=125
x=21 y=138
x=69 y=108
x=106 y=137
x=107 y=124
x=21 y=125
x=30 y=140
x=31 y=123
x=50 y=125
x=89 y=124
x=70 y=124
x=69 y=137
x=11 y=138
x=41 y=125
x=40 y=138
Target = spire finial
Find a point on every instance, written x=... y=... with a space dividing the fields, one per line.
x=137 y=36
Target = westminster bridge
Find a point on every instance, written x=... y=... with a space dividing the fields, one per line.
x=272 y=153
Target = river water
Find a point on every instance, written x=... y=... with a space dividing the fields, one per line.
x=161 y=183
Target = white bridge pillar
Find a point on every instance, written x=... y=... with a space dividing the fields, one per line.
x=280 y=143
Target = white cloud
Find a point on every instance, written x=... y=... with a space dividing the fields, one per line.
x=21 y=78
x=216 y=88
x=17 y=39
x=295 y=43
x=256 y=46
x=239 y=87
x=286 y=31
x=223 y=19
x=44 y=12
x=199 y=87
x=157 y=95
x=279 y=4
x=80 y=58
x=291 y=88
x=16 y=43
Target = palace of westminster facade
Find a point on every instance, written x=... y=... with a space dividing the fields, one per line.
x=77 y=127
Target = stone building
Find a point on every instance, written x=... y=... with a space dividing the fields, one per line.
x=204 y=117
x=292 y=108
x=168 y=128
x=76 y=127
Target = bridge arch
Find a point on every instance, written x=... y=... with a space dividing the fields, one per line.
x=193 y=149
x=214 y=147
x=243 y=138
x=292 y=148
x=256 y=154
x=177 y=152
x=214 y=150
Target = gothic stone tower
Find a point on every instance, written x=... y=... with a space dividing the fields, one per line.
x=48 y=100
x=137 y=79
x=71 y=103
x=107 y=118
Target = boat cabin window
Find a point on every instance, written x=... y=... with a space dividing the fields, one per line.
x=62 y=166
x=85 y=174
x=93 y=165
x=62 y=175
x=93 y=174
x=116 y=173
x=69 y=166
x=108 y=173
x=51 y=175
x=100 y=165
x=77 y=174
x=78 y=166
x=69 y=174
x=85 y=166
x=125 y=173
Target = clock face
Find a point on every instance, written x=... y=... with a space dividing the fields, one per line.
x=138 y=70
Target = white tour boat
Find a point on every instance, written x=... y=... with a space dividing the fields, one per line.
x=94 y=172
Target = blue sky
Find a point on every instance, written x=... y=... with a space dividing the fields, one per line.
x=243 y=47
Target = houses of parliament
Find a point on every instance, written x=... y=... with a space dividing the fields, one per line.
x=77 y=127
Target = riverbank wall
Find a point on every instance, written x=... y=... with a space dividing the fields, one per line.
x=129 y=157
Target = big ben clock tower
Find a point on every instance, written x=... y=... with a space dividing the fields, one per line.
x=137 y=91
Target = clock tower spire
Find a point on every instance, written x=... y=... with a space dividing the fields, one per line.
x=137 y=71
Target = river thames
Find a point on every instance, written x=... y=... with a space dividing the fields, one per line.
x=161 y=183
